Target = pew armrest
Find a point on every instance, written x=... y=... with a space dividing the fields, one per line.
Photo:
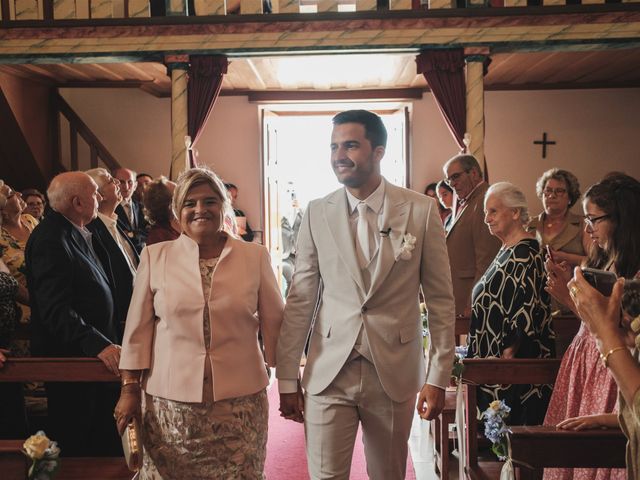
x=542 y=447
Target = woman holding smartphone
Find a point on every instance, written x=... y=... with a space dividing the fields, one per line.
x=585 y=394
x=619 y=346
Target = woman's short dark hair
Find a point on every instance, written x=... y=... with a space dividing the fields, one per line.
x=618 y=195
x=570 y=180
x=374 y=129
x=157 y=202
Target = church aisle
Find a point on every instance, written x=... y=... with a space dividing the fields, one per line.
x=286 y=459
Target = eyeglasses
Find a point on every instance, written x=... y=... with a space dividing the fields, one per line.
x=455 y=177
x=591 y=221
x=558 y=192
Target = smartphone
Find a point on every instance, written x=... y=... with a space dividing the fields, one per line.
x=550 y=254
x=601 y=280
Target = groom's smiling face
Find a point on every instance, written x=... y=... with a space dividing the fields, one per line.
x=353 y=160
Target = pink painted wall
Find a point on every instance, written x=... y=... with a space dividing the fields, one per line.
x=595 y=131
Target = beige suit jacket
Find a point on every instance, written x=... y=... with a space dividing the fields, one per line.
x=389 y=310
x=471 y=248
x=164 y=330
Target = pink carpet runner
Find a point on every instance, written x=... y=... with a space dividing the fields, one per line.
x=286 y=458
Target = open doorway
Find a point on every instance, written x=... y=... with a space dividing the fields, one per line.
x=296 y=168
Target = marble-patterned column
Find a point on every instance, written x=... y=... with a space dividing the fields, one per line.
x=177 y=68
x=210 y=7
x=399 y=4
x=475 y=59
x=433 y=4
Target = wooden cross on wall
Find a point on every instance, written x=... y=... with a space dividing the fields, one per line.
x=544 y=142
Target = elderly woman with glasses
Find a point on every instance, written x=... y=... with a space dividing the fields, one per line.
x=557 y=227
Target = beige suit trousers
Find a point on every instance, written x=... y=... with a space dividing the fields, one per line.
x=331 y=426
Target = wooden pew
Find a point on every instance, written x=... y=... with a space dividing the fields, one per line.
x=547 y=447
x=13 y=464
x=562 y=449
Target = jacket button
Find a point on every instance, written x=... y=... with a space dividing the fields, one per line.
x=363 y=310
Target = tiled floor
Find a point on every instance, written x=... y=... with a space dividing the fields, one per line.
x=421 y=447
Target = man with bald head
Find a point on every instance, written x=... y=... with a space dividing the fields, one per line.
x=72 y=314
x=130 y=217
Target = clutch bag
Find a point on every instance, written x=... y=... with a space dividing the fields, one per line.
x=132 y=445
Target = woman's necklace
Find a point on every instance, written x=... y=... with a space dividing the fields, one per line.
x=550 y=223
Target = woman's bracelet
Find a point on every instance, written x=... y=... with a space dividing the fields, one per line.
x=605 y=356
x=130 y=381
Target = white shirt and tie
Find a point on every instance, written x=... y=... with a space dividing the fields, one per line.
x=125 y=247
x=364 y=219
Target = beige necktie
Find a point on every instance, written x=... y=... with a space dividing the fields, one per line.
x=362 y=236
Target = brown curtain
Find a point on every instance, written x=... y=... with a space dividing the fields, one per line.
x=444 y=72
x=205 y=80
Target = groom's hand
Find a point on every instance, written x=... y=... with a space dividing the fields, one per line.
x=430 y=402
x=292 y=406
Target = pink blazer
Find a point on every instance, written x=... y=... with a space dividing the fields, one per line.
x=164 y=329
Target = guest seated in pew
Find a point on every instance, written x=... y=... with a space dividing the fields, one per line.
x=584 y=387
x=191 y=344
x=619 y=345
x=157 y=210
x=557 y=227
x=511 y=313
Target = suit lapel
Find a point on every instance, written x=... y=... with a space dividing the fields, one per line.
x=395 y=216
x=81 y=245
x=336 y=212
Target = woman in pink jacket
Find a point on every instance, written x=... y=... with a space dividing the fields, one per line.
x=192 y=368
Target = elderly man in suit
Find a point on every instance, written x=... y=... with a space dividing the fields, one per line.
x=371 y=246
x=130 y=213
x=72 y=314
x=470 y=245
x=122 y=253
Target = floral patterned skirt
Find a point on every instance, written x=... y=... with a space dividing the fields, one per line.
x=226 y=439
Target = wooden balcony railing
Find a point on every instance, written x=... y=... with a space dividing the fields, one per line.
x=99 y=155
x=29 y=10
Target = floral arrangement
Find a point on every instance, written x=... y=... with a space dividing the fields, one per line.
x=495 y=428
x=44 y=454
x=424 y=317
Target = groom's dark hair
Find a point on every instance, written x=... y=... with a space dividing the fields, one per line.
x=374 y=129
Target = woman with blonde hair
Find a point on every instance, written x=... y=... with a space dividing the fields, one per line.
x=192 y=369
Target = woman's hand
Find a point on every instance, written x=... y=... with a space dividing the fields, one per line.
x=589 y=422
x=558 y=274
x=129 y=406
x=600 y=314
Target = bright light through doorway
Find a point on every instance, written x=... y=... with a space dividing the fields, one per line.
x=303 y=155
x=297 y=168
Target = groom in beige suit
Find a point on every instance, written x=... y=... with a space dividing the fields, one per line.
x=363 y=254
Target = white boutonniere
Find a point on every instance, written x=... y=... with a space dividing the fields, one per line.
x=408 y=244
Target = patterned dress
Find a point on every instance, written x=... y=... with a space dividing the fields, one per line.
x=223 y=439
x=13 y=256
x=583 y=387
x=509 y=306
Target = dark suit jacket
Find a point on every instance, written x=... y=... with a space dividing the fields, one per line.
x=137 y=235
x=72 y=307
x=122 y=276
